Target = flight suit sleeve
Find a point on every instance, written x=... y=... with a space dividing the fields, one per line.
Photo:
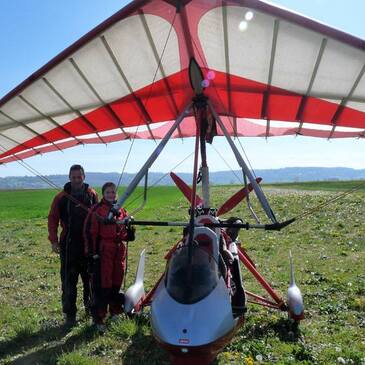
x=91 y=233
x=54 y=219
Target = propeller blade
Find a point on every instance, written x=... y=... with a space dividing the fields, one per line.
x=185 y=189
x=236 y=198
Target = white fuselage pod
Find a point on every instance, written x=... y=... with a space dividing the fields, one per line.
x=196 y=324
x=295 y=299
x=295 y=303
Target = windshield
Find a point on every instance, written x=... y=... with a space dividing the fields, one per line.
x=190 y=282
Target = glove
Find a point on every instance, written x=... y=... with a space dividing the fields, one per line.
x=91 y=262
x=56 y=247
x=131 y=233
x=90 y=265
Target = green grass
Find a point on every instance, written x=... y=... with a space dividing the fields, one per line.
x=323 y=185
x=329 y=256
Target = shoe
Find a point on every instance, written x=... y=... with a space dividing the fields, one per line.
x=69 y=320
x=115 y=318
x=101 y=328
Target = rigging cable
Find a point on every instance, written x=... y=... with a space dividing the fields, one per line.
x=304 y=214
x=161 y=178
x=300 y=216
x=145 y=105
x=55 y=186
x=32 y=170
x=331 y=200
x=226 y=163
x=127 y=158
x=227 y=114
x=243 y=150
x=44 y=179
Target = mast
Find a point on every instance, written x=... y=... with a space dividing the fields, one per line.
x=200 y=106
x=203 y=153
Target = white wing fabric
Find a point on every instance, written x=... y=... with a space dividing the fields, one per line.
x=269 y=72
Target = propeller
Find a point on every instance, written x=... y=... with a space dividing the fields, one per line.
x=236 y=198
x=186 y=189
x=226 y=207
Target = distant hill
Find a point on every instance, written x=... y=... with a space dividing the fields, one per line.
x=287 y=174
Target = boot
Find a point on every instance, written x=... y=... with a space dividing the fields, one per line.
x=69 y=320
x=101 y=328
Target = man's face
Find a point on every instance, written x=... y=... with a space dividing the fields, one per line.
x=77 y=179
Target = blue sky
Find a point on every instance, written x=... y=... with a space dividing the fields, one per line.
x=34 y=31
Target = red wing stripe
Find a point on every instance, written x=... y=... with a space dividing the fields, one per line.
x=247 y=96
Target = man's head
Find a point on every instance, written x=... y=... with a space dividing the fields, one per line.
x=76 y=176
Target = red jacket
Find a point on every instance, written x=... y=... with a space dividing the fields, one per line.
x=97 y=233
x=69 y=214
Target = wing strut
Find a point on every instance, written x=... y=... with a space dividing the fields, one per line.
x=142 y=172
x=260 y=195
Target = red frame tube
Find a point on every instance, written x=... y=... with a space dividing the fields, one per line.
x=146 y=300
x=243 y=251
x=261 y=279
x=261 y=300
x=264 y=304
x=172 y=250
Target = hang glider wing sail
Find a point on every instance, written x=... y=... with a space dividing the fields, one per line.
x=268 y=72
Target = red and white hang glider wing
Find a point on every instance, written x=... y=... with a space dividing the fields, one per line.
x=263 y=64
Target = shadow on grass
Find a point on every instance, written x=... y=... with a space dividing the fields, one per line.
x=143 y=348
x=25 y=340
x=54 y=344
x=284 y=329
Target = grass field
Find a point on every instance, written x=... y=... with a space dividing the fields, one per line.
x=323 y=185
x=329 y=255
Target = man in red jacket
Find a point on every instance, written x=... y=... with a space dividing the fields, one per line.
x=70 y=208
